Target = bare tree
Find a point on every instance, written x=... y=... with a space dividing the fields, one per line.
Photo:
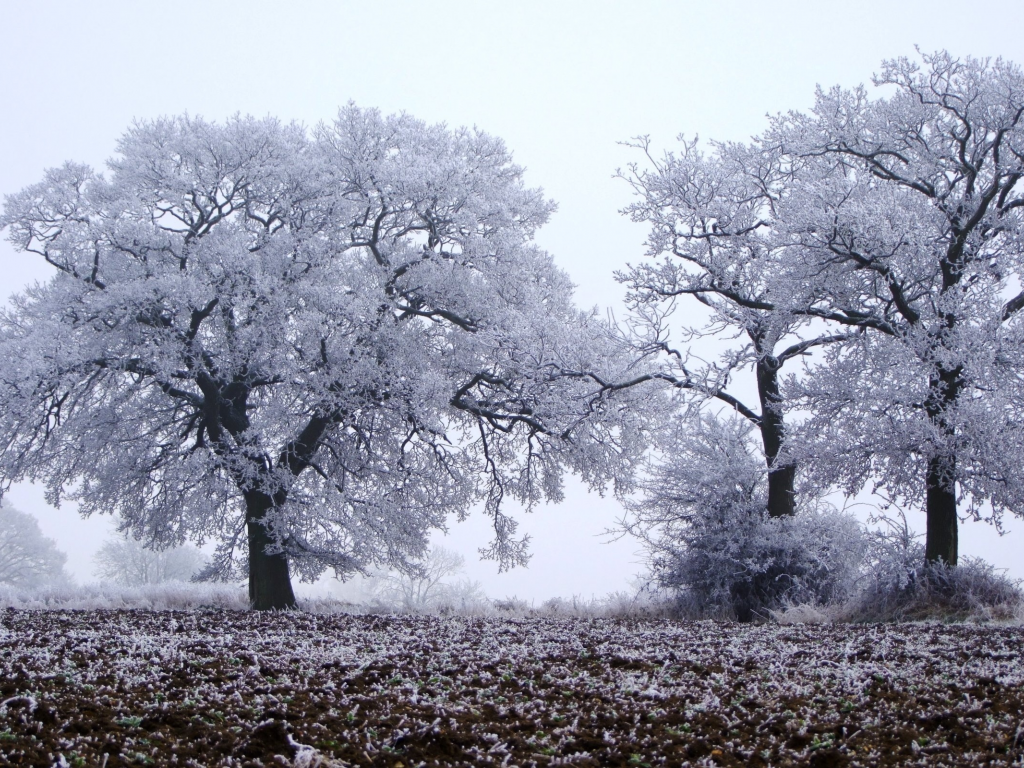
x=127 y=561
x=427 y=584
x=27 y=558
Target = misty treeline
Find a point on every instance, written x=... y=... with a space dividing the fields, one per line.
x=28 y=559
x=316 y=347
x=129 y=562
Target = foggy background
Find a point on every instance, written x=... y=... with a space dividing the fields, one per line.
x=561 y=82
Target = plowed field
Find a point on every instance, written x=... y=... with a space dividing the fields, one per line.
x=114 y=688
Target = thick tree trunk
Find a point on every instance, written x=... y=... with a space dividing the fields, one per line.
x=781 y=493
x=781 y=476
x=940 y=482
x=270 y=586
x=226 y=406
x=944 y=385
x=940 y=505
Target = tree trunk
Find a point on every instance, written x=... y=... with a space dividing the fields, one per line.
x=781 y=477
x=781 y=494
x=944 y=385
x=940 y=508
x=940 y=482
x=270 y=586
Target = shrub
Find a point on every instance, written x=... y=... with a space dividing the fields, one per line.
x=971 y=591
x=702 y=512
x=512 y=605
x=899 y=586
x=742 y=564
x=168 y=596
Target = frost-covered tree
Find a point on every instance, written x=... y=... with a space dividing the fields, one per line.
x=313 y=347
x=895 y=227
x=27 y=558
x=125 y=560
x=905 y=214
x=712 y=237
x=428 y=584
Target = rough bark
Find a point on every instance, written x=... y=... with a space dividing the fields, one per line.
x=270 y=586
x=781 y=475
x=944 y=386
x=940 y=504
x=940 y=482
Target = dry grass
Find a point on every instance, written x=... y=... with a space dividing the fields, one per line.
x=974 y=592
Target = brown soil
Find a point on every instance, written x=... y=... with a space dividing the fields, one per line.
x=116 y=688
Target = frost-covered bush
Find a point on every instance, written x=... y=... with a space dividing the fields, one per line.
x=169 y=596
x=512 y=605
x=640 y=601
x=895 y=553
x=742 y=564
x=898 y=585
x=973 y=590
x=702 y=513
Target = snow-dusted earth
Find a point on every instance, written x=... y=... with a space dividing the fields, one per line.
x=236 y=688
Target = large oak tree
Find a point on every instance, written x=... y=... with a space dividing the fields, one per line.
x=313 y=347
x=905 y=214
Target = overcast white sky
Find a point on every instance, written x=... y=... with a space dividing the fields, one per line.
x=561 y=82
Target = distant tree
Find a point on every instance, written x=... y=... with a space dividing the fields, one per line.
x=311 y=347
x=427 y=584
x=27 y=558
x=127 y=561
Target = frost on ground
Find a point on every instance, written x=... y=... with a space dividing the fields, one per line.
x=241 y=688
